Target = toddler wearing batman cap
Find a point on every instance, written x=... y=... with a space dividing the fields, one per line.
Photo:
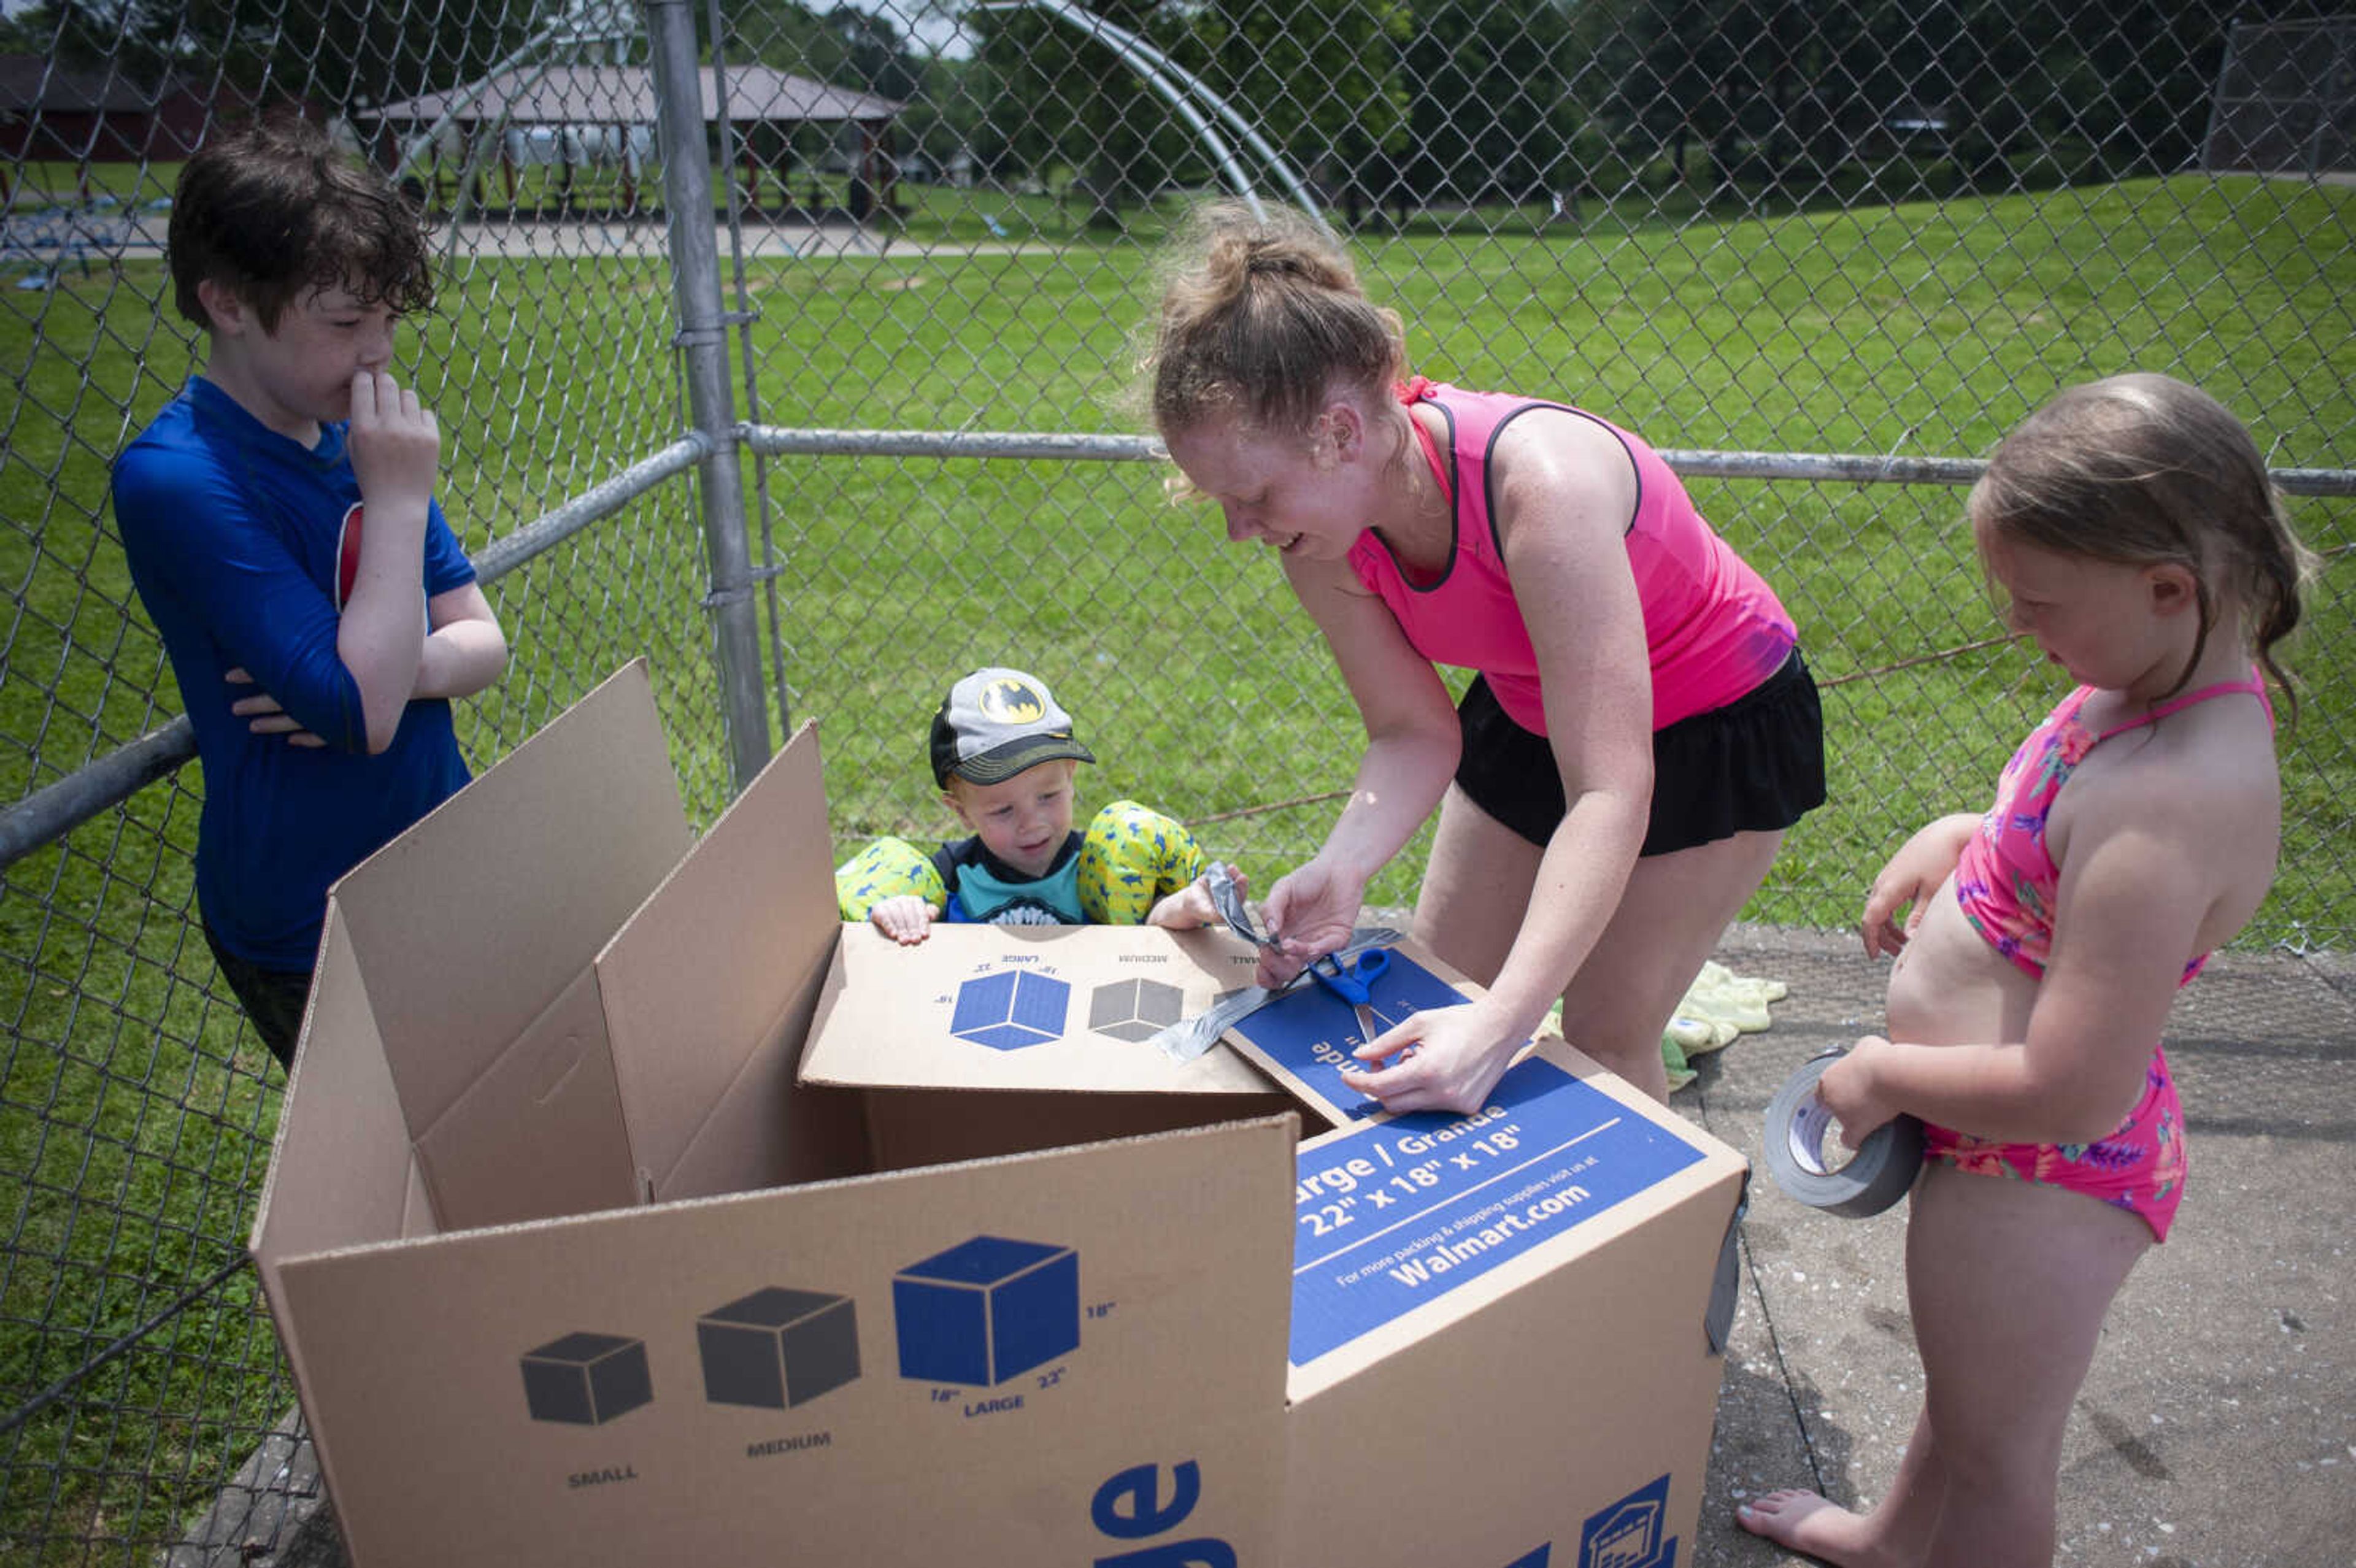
x=1005 y=757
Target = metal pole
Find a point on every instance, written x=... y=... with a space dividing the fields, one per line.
x=745 y=316
x=703 y=339
x=1693 y=462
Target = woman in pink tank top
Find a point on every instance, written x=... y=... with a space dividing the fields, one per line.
x=1642 y=729
x=2040 y=945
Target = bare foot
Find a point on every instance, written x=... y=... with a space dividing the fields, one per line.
x=1810 y=1525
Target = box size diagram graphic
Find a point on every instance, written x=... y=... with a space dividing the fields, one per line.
x=777 y=1347
x=586 y=1379
x=986 y=1310
x=1011 y=1010
x=1135 y=1010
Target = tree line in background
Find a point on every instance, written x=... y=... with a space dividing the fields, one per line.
x=1400 y=103
x=1384 y=104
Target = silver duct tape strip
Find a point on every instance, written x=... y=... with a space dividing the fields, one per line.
x=1190 y=1038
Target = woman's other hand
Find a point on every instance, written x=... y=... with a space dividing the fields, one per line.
x=1309 y=913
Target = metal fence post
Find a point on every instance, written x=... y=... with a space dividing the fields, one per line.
x=703 y=335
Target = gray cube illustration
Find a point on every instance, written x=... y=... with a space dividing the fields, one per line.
x=1134 y=1009
x=1011 y=1010
x=586 y=1379
x=986 y=1310
x=777 y=1347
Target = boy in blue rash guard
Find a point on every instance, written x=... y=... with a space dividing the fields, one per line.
x=1005 y=755
x=279 y=521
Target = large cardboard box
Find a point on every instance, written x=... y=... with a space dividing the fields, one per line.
x=1506 y=1328
x=573 y=1265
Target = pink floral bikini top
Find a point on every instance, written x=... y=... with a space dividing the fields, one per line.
x=2006 y=880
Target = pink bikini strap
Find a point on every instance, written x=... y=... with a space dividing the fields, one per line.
x=2256 y=686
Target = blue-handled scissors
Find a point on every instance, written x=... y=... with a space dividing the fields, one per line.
x=1354 y=982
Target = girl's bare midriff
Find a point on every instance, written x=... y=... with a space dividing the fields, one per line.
x=1948 y=987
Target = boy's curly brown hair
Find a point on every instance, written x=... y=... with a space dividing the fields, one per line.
x=275 y=212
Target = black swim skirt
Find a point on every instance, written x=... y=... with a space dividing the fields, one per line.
x=1755 y=765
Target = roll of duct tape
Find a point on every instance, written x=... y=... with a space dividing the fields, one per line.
x=1798 y=1126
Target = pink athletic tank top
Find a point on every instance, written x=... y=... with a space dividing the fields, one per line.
x=2006 y=880
x=1715 y=629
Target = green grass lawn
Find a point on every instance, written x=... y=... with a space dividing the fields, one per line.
x=1213 y=698
x=133 y=1110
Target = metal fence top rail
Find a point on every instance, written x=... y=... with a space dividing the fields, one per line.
x=1857 y=468
x=49 y=813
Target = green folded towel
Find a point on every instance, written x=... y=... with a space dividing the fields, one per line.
x=1719 y=1006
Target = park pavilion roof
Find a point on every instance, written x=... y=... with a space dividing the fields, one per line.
x=625 y=94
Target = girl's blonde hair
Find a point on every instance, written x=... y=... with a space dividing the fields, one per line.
x=1260 y=318
x=2146 y=470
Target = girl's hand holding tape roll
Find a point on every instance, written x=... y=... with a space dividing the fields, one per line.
x=1849 y=1090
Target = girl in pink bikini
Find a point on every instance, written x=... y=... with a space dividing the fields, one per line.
x=2130 y=524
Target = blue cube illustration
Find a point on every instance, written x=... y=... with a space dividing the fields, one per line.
x=586 y=1379
x=1011 y=1010
x=986 y=1310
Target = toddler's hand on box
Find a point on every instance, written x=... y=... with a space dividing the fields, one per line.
x=1192 y=905
x=906 y=919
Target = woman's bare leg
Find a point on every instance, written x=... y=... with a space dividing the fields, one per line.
x=1475 y=886
x=1676 y=909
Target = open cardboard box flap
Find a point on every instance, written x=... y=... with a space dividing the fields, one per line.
x=544 y=1126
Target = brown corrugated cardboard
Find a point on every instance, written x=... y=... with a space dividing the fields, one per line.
x=1058 y=1007
x=540 y=1392
x=987 y=1039
x=607 y=1224
x=415 y=1383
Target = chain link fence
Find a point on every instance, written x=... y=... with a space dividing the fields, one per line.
x=868 y=428
x=1805 y=249
x=138 y=1366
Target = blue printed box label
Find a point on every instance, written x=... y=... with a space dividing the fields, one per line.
x=1306 y=1036
x=1629 y=1533
x=1395 y=1213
